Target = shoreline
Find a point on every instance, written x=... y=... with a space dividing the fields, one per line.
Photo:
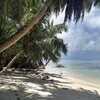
x=84 y=84
x=78 y=81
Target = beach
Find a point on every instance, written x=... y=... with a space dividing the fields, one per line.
x=50 y=50
x=18 y=86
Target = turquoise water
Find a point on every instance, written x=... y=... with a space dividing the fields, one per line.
x=88 y=70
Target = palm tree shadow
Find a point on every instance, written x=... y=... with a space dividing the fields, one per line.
x=25 y=87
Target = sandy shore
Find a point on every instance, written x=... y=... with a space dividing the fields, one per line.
x=29 y=87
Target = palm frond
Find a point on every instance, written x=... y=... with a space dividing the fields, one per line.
x=49 y=53
x=97 y=3
x=17 y=9
x=75 y=8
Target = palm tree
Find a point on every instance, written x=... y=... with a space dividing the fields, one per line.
x=42 y=43
x=73 y=7
x=37 y=45
x=10 y=63
x=14 y=38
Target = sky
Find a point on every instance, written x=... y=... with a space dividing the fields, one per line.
x=83 y=38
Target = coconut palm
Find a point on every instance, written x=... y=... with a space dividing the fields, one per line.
x=38 y=45
x=73 y=7
x=42 y=44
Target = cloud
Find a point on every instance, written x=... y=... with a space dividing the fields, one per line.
x=58 y=19
x=83 y=36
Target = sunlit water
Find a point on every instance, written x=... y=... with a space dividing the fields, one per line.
x=88 y=70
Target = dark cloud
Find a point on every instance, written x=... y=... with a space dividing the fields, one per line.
x=84 y=37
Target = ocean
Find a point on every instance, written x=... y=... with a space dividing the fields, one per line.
x=87 y=70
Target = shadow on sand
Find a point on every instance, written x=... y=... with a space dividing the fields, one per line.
x=25 y=87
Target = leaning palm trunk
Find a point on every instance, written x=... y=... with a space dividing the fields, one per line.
x=21 y=33
x=11 y=62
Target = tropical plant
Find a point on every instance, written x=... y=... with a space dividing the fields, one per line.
x=14 y=25
x=73 y=7
x=42 y=44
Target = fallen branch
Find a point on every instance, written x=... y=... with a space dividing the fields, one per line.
x=11 y=62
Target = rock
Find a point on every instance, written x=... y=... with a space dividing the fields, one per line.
x=60 y=66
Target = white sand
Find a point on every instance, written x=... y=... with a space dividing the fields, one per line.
x=29 y=87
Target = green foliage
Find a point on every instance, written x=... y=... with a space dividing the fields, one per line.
x=17 y=9
x=97 y=3
x=43 y=42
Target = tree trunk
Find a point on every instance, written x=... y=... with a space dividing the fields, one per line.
x=11 y=62
x=46 y=63
x=21 y=33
